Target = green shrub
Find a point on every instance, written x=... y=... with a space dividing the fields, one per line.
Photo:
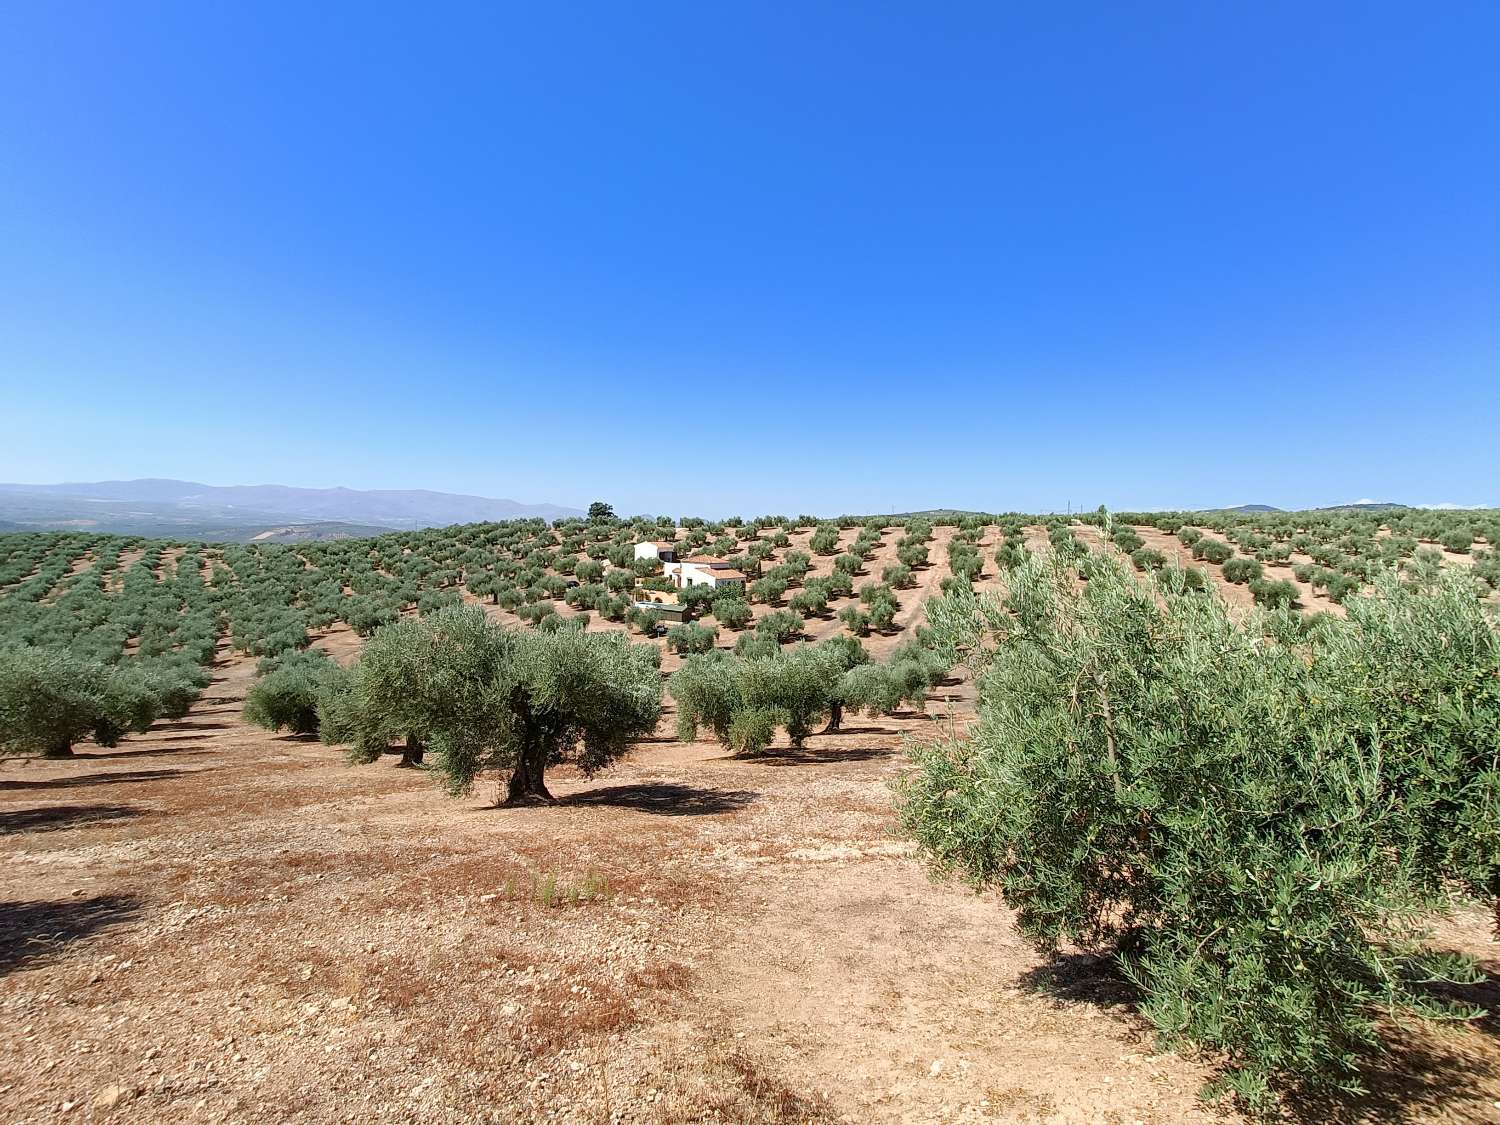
x=1241 y=814
x=289 y=692
x=690 y=638
x=1241 y=570
x=1212 y=550
x=1274 y=594
x=732 y=613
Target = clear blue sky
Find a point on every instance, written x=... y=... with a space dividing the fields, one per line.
x=806 y=257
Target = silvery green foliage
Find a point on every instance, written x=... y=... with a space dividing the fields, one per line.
x=51 y=698
x=1250 y=814
x=290 y=689
x=484 y=698
x=744 y=699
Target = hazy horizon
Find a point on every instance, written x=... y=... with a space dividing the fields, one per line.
x=580 y=505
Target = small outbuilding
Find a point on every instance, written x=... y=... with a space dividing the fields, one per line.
x=665 y=611
x=662 y=552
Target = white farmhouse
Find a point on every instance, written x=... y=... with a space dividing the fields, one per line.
x=703 y=570
x=661 y=551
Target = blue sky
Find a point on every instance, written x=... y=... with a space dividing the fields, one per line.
x=783 y=258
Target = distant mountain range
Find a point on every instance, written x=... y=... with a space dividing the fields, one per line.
x=187 y=509
x=1358 y=506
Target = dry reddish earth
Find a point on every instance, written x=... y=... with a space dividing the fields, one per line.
x=213 y=923
x=217 y=924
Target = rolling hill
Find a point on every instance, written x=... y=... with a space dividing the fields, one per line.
x=187 y=509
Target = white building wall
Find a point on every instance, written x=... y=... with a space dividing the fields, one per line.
x=653 y=550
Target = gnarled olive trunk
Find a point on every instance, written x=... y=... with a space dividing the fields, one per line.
x=62 y=748
x=527 y=785
x=835 y=717
x=411 y=754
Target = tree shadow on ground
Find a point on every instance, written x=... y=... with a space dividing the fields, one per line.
x=1484 y=993
x=1423 y=1074
x=1081 y=978
x=787 y=756
x=1420 y=1077
x=664 y=798
x=188 y=724
x=82 y=780
x=151 y=752
x=53 y=818
x=32 y=932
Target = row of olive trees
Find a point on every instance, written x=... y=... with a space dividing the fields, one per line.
x=466 y=697
x=743 y=699
x=1250 y=815
x=51 y=698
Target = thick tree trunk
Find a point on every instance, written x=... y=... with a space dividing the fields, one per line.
x=527 y=785
x=62 y=748
x=835 y=718
x=411 y=754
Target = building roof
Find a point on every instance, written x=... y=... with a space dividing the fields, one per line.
x=706 y=560
x=729 y=575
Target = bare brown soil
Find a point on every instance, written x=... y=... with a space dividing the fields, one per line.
x=214 y=923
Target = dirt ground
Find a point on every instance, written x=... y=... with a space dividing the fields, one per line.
x=213 y=923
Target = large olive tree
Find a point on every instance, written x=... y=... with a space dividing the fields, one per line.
x=483 y=698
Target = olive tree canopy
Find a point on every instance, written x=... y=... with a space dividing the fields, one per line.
x=483 y=698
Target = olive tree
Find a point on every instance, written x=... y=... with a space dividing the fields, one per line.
x=706 y=690
x=485 y=698
x=732 y=613
x=290 y=689
x=744 y=700
x=1246 y=814
x=690 y=638
x=49 y=699
x=1242 y=570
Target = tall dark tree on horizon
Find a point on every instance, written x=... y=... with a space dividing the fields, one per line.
x=600 y=511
